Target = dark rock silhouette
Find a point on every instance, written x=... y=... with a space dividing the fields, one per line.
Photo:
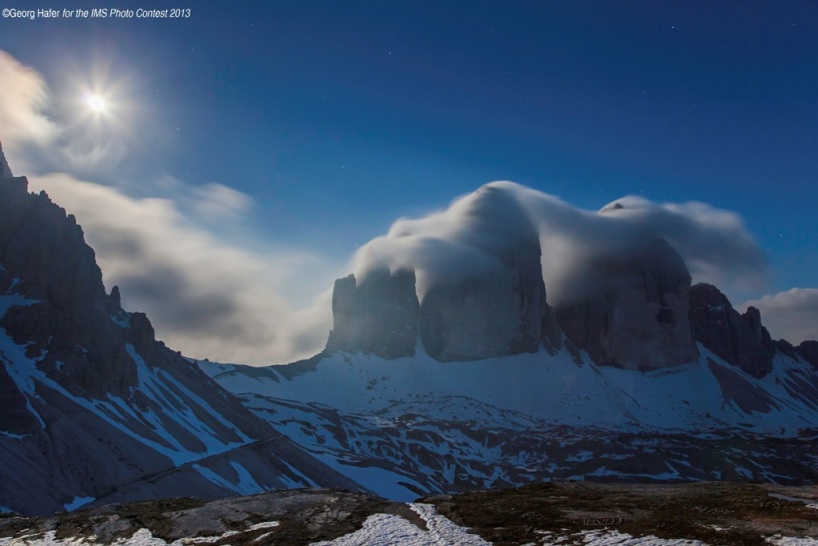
x=808 y=350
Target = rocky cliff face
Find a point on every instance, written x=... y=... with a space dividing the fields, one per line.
x=500 y=312
x=739 y=339
x=69 y=328
x=378 y=317
x=493 y=306
x=634 y=311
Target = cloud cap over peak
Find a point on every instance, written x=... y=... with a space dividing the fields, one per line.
x=467 y=238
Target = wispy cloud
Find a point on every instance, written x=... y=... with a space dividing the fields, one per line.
x=23 y=97
x=206 y=297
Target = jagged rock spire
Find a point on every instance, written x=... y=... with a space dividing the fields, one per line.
x=5 y=171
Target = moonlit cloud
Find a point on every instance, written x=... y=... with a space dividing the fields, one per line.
x=465 y=238
x=175 y=254
x=23 y=96
x=206 y=298
x=220 y=201
x=791 y=315
x=715 y=243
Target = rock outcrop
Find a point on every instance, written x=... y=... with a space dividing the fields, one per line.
x=808 y=350
x=378 y=317
x=5 y=171
x=633 y=312
x=740 y=339
x=45 y=258
x=500 y=312
x=496 y=309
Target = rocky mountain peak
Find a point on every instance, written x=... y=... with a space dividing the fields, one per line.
x=5 y=171
x=808 y=350
x=739 y=339
x=45 y=258
x=483 y=298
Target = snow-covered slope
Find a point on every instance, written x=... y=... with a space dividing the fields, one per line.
x=414 y=425
x=704 y=395
x=174 y=431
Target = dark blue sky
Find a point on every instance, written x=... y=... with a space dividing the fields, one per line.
x=338 y=117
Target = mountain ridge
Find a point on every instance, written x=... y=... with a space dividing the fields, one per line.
x=92 y=402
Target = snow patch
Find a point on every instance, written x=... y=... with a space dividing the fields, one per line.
x=264 y=525
x=7 y=301
x=247 y=485
x=792 y=541
x=77 y=503
x=395 y=530
x=610 y=538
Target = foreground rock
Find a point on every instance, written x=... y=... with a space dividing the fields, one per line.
x=287 y=517
x=721 y=514
x=553 y=513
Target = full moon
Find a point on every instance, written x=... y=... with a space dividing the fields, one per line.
x=96 y=103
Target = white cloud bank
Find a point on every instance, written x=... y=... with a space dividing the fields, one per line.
x=467 y=237
x=791 y=315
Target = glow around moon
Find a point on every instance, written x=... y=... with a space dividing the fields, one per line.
x=96 y=103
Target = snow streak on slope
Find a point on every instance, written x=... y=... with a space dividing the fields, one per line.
x=165 y=414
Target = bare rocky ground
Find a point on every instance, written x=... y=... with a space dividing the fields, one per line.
x=303 y=516
x=714 y=513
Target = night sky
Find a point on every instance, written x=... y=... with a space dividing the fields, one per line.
x=330 y=120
